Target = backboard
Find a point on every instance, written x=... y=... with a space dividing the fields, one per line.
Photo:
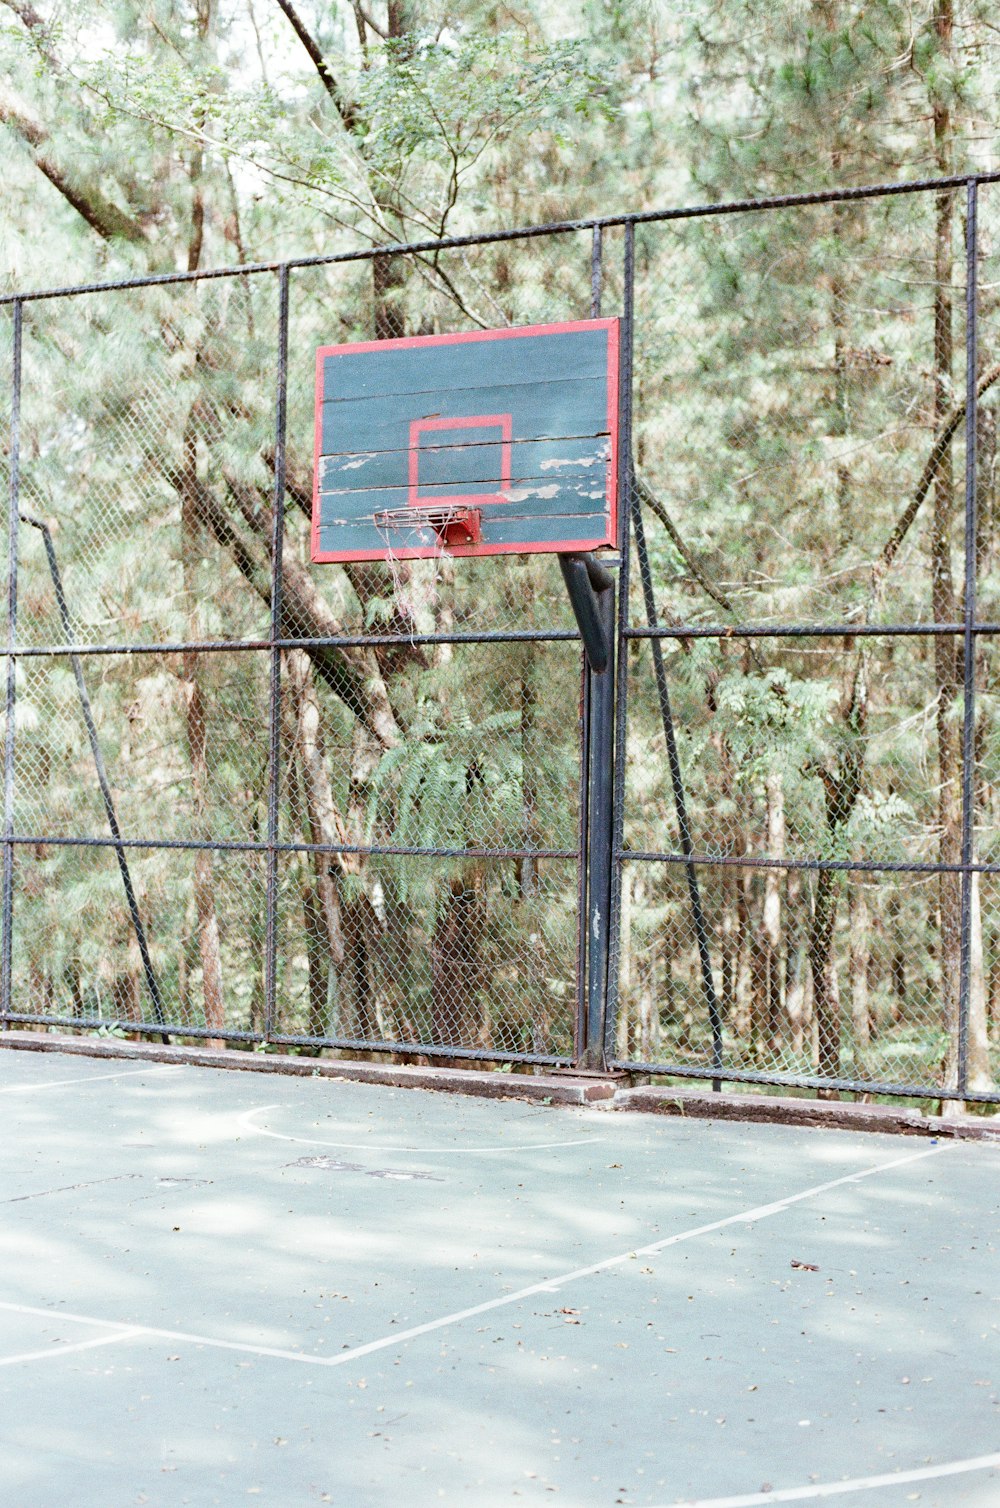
x=485 y=442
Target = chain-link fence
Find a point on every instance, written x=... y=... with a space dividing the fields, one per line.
x=254 y=800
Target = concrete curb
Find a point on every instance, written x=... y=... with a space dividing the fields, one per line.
x=566 y=1088
x=836 y=1115
x=551 y=1089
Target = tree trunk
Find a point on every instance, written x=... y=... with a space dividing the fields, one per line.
x=208 y=933
x=730 y=941
x=359 y=1018
x=859 y=923
x=795 y=968
x=197 y=740
x=320 y=819
x=538 y=1009
x=742 y=1018
x=771 y=916
x=840 y=419
x=628 y=982
x=126 y=997
x=825 y=1002
x=898 y=959
x=317 y=958
x=254 y=942
x=365 y=916
x=979 y=1074
x=646 y=999
x=457 y=1015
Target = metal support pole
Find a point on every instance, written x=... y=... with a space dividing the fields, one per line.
x=581 y=1038
x=580 y=1023
x=152 y=984
x=601 y=835
x=969 y=638
x=680 y=799
x=6 y=953
x=586 y=580
x=274 y=713
x=599 y=706
x=621 y=650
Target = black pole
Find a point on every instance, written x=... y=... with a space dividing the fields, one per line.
x=152 y=983
x=580 y=1024
x=680 y=799
x=274 y=713
x=581 y=1035
x=600 y=828
x=9 y=725
x=592 y=592
x=586 y=582
x=969 y=640
x=623 y=481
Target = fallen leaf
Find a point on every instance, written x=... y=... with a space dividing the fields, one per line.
x=805 y=1266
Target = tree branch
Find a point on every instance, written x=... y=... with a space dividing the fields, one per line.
x=943 y=438
x=349 y=671
x=364 y=19
x=648 y=496
x=345 y=109
x=100 y=214
x=857 y=700
x=36 y=29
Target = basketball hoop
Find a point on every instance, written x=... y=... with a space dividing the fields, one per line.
x=453 y=524
x=422 y=531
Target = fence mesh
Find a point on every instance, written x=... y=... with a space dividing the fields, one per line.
x=354 y=806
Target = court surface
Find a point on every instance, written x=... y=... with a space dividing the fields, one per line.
x=218 y=1287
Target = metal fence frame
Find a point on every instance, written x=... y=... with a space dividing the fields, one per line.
x=602 y=851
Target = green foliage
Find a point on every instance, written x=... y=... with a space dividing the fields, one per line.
x=451 y=101
x=774 y=720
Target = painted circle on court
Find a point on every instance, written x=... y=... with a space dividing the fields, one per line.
x=248 y=1122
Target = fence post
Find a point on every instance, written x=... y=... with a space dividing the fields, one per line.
x=969 y=636
x=274 y=713
x=9 y=724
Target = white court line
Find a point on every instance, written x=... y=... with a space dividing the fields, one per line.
x=854 y=1484
x=79 y=1345
x=246 y=1120
x=87 y=1078
x=547 y=1285
x=129 y=1332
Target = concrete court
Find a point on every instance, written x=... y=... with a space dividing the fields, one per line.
x=222 y=1288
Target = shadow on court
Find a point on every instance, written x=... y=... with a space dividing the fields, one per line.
x=218 y=1288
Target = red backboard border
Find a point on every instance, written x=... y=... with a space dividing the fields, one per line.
x=515 y=332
